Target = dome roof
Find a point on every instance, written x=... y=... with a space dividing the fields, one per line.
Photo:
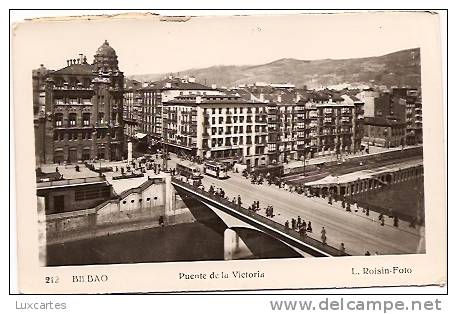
x=106 y=50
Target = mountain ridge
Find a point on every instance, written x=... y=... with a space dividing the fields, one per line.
x=400 y=68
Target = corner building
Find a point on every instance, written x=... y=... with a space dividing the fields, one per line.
x=224 y=127
x=82 y=116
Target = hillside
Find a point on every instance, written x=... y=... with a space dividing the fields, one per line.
x=398 y=68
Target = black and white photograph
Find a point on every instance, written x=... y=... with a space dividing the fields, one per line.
x=216 y=139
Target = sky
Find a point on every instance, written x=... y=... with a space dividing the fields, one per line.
x=146 y=44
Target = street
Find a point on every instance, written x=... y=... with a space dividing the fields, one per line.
x=358 y=233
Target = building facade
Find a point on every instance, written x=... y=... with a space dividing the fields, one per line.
x=333 y=124
x=132 y=112
x=224 y=127
x=383 y=132
x=154 y=94
x=83 y=112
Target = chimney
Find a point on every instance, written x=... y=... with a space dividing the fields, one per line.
x=298 y=97
x=261 y=97
x=213 y=86
x=168 y=85
x=68 y=62
x=81 y=58
x=279 y=98
x=191 y=79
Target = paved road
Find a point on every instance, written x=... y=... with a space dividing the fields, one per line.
x=358 y=233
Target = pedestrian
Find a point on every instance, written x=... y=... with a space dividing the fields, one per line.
x=383 y=220
x=367 y=253
x=239 y=200
x=342 y=248
x=324 y=236
x=395 y=221
x=309 y=228
x=286 y=224
x=234 y=200
x=302 y=231
x=299 y=220
x=294 y=225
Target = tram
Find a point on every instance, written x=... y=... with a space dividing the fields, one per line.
x=215 y=169
x=188 y=170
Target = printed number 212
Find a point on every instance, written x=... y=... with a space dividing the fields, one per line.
x=52 y=279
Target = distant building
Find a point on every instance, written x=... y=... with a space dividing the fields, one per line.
x=82 y=114
x=333 y=123
x=154 y=94
x=383 y=132
x=132 y=112
x=413 y=113
x=368 y=96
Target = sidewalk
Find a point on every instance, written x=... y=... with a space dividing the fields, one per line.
x=321 y=159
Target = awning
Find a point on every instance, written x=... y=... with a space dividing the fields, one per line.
x=140 y=135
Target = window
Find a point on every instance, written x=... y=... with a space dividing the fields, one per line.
x=58 y=119
x=221 y=120
x=59 y=135
x=85 y=193
x=72 y=119
x=101 y=117
x=213 y=120
x=220 y=110
x=86 y=119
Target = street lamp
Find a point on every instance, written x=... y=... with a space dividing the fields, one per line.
x=304 y=159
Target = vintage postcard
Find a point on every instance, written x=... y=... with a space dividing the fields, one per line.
x=218 y=153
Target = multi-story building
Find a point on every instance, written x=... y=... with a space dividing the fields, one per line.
x=383 y=132
x=309 y=123
x=285 y=137
x=223 y=126
x=413 y=117
x=368 y=96
x=82 y=116
x=39 y=112
x=154 y=94
x=132 y=108
x=333 y=123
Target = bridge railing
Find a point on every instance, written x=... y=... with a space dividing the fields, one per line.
x=292 y=233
